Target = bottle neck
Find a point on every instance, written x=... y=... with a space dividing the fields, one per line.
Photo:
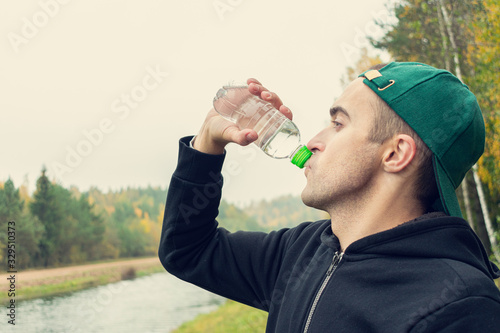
x=295 y=151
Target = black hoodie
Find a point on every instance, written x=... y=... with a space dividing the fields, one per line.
x=427 y=275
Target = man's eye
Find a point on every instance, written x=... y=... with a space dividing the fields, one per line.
x=336 y=123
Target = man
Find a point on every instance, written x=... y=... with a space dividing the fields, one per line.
x=396 y=255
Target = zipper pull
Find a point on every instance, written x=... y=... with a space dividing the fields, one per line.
x=335 y=261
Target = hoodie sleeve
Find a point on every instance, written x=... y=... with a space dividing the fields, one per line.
x=243 y=265
x=472 y=314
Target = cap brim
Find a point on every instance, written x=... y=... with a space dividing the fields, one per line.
x=448 y=201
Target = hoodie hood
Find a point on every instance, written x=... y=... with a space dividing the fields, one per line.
x=433 y=235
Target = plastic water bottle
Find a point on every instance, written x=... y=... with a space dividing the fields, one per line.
x=278 y=137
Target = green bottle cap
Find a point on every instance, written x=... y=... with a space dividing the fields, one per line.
x=301 y=156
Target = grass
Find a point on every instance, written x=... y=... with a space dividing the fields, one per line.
x=228 y=318
x=65 y=287
x=149 y=271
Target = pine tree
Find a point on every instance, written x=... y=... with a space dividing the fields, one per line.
x=11 y=205
x=28 y=230
x=49 y=212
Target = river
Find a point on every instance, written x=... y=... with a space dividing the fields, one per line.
x=154 y=303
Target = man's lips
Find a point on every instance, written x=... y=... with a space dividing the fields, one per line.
x=307 y=167
x=308 y=163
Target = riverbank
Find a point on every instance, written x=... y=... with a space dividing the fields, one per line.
x=228 y=318
x=55 y=281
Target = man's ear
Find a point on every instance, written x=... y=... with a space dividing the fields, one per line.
x=399 y=153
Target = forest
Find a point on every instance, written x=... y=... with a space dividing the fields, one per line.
x=56 y=226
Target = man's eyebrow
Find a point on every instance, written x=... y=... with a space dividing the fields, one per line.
x=335 y=109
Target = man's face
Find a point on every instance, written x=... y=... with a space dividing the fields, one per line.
x=344 y=163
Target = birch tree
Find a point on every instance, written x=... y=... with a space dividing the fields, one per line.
x=464 y=186
x=479 y=187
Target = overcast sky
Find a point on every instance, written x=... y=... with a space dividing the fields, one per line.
x=101 y=91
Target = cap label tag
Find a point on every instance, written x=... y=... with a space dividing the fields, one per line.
x=376 y=77
x=373 y=74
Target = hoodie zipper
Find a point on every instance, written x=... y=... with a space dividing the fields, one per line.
x=333 y=266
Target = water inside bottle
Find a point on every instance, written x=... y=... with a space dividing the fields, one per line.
x=278 y=136
x=283 y=142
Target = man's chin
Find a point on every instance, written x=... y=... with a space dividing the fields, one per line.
x=311 y=200
x=308 y=199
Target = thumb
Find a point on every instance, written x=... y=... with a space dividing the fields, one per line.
x=245 y=137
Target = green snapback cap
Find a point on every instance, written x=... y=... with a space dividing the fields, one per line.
x=445 y=115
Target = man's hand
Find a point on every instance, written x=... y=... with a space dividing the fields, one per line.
x=216 y=132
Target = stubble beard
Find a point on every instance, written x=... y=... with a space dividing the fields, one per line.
x=345 y=192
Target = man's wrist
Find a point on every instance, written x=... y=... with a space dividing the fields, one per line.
x=206 y=146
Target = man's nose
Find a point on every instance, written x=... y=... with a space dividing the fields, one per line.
x=316 y=143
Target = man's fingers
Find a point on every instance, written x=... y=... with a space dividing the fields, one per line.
x=252 y=80
x=256 y=88
x=262 y=92
x=271 y=98
x=286 y=111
